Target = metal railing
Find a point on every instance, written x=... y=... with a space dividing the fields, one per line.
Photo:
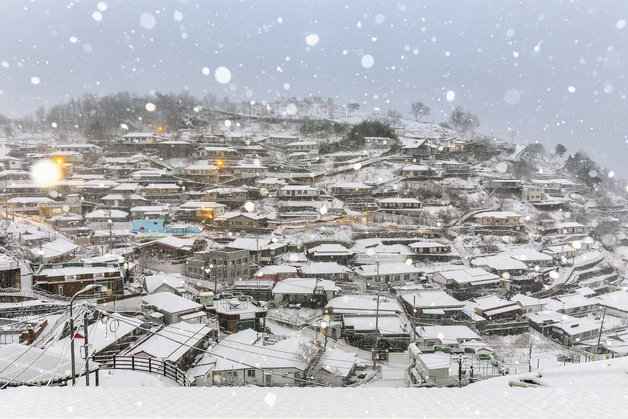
x=146 y=364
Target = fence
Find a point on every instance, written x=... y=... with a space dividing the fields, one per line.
x=147 y=364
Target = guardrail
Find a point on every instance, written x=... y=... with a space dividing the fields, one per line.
x=146 y=364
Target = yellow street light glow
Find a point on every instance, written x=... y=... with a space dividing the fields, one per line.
x=60 y=161
x=46 y=173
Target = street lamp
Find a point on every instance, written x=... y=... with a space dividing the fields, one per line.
x=83 y=291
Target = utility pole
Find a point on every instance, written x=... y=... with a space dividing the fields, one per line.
x=530 y=359
x=376 y=353
x=460 y=370
x=414 y=318
x=599 y=336
x=86 y=347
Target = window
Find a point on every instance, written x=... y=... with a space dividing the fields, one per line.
x=250 y=373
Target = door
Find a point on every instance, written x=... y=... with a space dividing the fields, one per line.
x=268 y=380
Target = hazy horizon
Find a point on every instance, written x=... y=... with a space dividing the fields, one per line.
x=553 y=72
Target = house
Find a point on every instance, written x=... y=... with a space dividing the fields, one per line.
x=178 y=343
x=10 y=272
x=201 y=171
x=150 y=212
x=399 y=203
x=169 y=247
x=389 y=273
x=430 y=248
x=429 y=337
x=380 y=142
x=494 y=308
x=67 y=279
x=298 y=192
x=357 y=316
x=351 y=189
x=467 y=282
x=501 y=264
x=259 y=289
x=532 y=193
x=532 y=258
x=326 y=270
x=561 y=252
x=307 y=291
x=106 y=217
x=234 y=197
x=332 y=252
x=616 y=303
x=530 y=304
x=235 y=314
x=430 y=370
x=276 y=273
x=162 y=282
x=122 y=201
x=244 y=359
x=262 y=249
x=337 y=367
x=570 y=227
x=10 y=163
x=218 y=154
x=416 y=171
x=432 y=303
x=573 y=330
x=245 y=170
x=497 y=218
x=224 y=265
x=242 y=221
x=162 y=191
x=281 y=140
x=59 y=250
x=505 y=187
x=174 y=307
x=28 y=205
x=199 y=210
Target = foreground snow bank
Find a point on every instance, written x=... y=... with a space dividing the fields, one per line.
x=597 y=389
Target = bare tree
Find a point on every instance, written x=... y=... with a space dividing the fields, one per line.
x=420 y=110
x=460 y=120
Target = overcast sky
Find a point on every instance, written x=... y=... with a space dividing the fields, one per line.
x=553 y=71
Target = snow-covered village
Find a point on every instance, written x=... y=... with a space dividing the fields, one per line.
x=183 y=254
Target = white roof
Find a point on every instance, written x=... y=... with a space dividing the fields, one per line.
x=303 y=286
x=30 y=200
x=316 y=268
x=107 y=214
x=201 y=204
x=153 y=282
x=162 y=186
x=351 y=185
x=617 y=300
x=31 y=365
x=387 y=269
x=500 y=262
x=330 y=249
x=276 y=269
x=338 y=362
x=399 y=200
x=451 y=334
x=496 y=214
x=472 y=276
x=363 y=304
x=244 y=350
x=432 y=298
x=172 y=342
x=171 y=303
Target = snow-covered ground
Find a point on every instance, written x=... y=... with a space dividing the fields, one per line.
x=596 y=389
